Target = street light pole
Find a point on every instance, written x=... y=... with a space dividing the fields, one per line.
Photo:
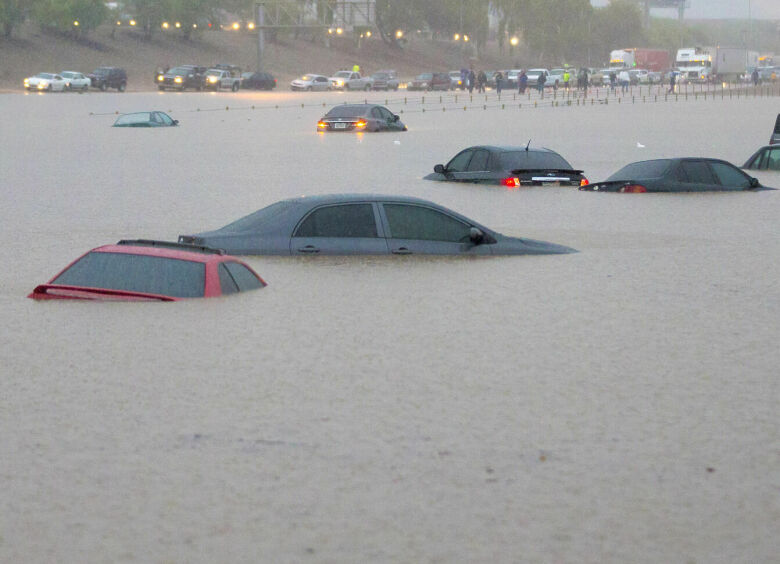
x=260 y=34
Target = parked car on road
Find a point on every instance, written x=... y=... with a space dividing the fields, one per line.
x=534 y=74
x=104 y=78
x=363 y=224
x=311 y=82
x=676 y=175
x=146 y=119
x=219 y=79
x=182 y=77
x=431 y=81
x=76 y=80
x=360 y=117
x=349 y=80
x=509 y=166
x=456 y=82
x=258 y=81
x=384 y=80
x=143 y=270
x=46 y=81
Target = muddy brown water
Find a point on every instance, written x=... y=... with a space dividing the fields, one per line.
x=615 y=405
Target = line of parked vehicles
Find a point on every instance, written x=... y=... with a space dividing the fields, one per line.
x=102 y=78
x=219 y=77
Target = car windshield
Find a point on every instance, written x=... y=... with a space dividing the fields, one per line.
x=247 y=75
x=524 y=160
x=343 y=74
x=137 y=273
x=67 y=74
x=380 y=75
x=644 y=169
x=348 y=111
x=127 y=119
x=255 y=220
x=44 y=75
x=180 y=70
x=101 y=70
x=424 y=76
x=214 y=73
x=308 y=77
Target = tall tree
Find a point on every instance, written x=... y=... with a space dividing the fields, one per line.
x=77 y=16
x=13 y=13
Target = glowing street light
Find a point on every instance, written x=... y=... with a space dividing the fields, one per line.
x=178 y=24
x=456 y=37
x=76 y=23
x=236 y=26
x=132 y=22
x=466 y=38
x=399 y=34
x=118 y=22
x=165 y=25
x=513 y=41
x=368 y=33
x=250 y=25
x=339 y=31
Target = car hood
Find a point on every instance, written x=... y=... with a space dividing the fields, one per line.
x=506 y=245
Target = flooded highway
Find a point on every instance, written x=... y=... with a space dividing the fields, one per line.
x=614 y=405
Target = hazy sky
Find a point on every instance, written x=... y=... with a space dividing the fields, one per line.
x=759 y=9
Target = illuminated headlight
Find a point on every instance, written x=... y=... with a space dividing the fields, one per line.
x=160 y=78
x=26 y=81
x=339 y=83
x=43 y=85
x=212 y=79
x=178 y=80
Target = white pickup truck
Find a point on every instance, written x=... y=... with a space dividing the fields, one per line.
x=349 y=80
x=218 y=79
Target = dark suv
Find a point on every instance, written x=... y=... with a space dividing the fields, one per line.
x=182 y=77
x=109 y=77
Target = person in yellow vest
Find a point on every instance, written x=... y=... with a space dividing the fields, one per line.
x=566 y=78
x=356 y=68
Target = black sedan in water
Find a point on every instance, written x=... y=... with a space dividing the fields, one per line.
x=677 y=175
x=509 y=166
x=360 y=117
x=257 y=81
x=364 y=224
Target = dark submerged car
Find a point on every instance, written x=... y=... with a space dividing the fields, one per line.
x=676 y=175
x=360 y=117
x=363 y=224
x=144 y=270
x=509 y=166
x=766 y=158
x=146 y=119
x=257 y=81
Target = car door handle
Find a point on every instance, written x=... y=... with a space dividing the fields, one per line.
x=309 y=249
x=402 y=251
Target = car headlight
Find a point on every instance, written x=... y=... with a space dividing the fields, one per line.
x=177 y=80
x=160 y=78
x=212 y=79
x=43 y=84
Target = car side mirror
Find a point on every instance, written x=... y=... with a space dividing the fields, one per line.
x=396 y=117
x=476 y=235
x=754 y=183
x=439 y=169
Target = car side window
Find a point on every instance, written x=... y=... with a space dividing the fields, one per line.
x=772 y=161
x=347 y=220
x=166 y=119
x=479 y=161
x=376 y=113
x=418 y=222
x=385 y=113
x=226 y=281
x=460 y=162
x=244 y=277
x=730 y=175
x=697 y=172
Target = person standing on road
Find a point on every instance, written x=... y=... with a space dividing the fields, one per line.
x=672 y=79
x=472 y=80
x=481 y=80
x=566 y=79
x=755 y=77
x=612 y=80
x=522 y=82
x=625 y=80
x=540 y=83
x=499 y=77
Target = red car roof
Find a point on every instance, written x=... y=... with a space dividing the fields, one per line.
x=164 y=252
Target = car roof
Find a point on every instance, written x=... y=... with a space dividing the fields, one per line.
x=356 y=106
x=510 y=148
x=164 y=249
x=320 y=199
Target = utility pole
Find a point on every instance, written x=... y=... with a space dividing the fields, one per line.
x=260 y=34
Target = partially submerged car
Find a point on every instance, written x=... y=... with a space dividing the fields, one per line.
x=677 y=175
x=311 y=82
x=509 y=166
x=146 y=119
x=360 y=117
x=766 y=158
x=363 y=224
x=144 y=270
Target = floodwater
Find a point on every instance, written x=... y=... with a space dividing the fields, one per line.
x=615 y=405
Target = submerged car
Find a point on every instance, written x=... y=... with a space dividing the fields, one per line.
x=509 y=166
x=766 y=158
x=143 y=270
x=363 y=224
x=360 y=117
x=46 y=81
x=145 y=119
x=311 y=82
x=676 y=175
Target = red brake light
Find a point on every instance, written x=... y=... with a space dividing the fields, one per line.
x=633 y=189
x=584 y=181
x=360 y=123
x=322 y=124
x=510 y=182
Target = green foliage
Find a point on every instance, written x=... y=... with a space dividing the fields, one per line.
x=12 y=13
x=76 y=16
